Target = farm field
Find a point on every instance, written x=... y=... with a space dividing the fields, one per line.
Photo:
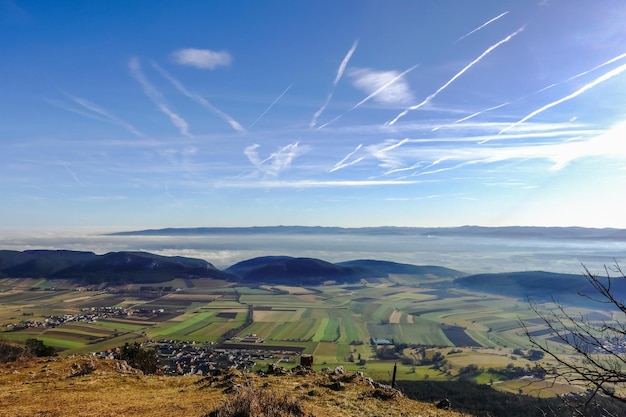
x=335 y=323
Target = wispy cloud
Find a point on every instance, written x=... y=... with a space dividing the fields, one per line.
x=481 y=26
x=313 y=183
x=344 y=162
x=201 y=58
x=158 y=99
x=395 y=88
x=277 y=161
x=405 y=169
x=270 y=106
x=340 y=71
x=457 y=75
x=108 y=115
x=383 y=152
x=198 y=98
x=64 y=106
x=95 y=112
x=471 y=116
x=604 y=77
x=344 y=63
x=388 y=87
x=74 y=176
x=581 y=74
x=429 y=157
x=96 y=198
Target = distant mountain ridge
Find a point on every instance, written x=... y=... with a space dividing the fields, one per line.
x=117 y=268
x=475 y=231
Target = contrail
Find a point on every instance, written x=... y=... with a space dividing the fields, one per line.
x=110 y=117
x=380 y=89
x=270 y=106
x=342 y=164
x=344 y=63
x=443 y=87
x=198 y=98
x=280 y=160
x=610 y=61
x=482 y=111
x=605 y=77
x=383 y=87
x=156 y=97
x=73 y=110
x=72 y=174
x=480 y=27
x=340 y=71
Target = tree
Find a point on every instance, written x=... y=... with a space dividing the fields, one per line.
x=144 y=359
x=599 y=362
x=38 y=348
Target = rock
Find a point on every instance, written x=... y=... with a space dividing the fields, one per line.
x=339 y=370
x=386 y=394
x=337 y=386
x=274 y=369
x=444 y=404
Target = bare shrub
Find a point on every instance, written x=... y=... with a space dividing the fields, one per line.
x=12 y=352
x=254 y=402
x=81 y=369
x=600 y=347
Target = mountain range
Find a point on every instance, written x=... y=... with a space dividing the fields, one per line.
x=117 y=268
x=475 y=231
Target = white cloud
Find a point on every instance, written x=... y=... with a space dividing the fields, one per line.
x=428 y=156
x=277 y=161
x=384 y=86
x=201 y=58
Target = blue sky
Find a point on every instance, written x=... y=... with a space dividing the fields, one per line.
x=354 y=113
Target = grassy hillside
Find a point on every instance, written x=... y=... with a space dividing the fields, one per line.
x=84 y=386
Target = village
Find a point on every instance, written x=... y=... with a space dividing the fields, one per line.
x=87 y=315
x=176 y=358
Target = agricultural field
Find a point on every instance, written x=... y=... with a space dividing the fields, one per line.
x=335 y=323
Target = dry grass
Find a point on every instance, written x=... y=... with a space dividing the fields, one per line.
x=258 y=402
x=83 y=386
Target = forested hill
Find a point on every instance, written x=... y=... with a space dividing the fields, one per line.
x=112 y=268
x=116 y=268
x=309 y=271
x=142 y=267
x=539 y=286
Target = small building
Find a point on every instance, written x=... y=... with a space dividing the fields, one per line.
x=251 y=338
x=306 y=360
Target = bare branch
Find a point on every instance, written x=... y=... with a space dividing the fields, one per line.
x=598 y=347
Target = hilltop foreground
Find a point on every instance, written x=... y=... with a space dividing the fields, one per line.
x=86 y=386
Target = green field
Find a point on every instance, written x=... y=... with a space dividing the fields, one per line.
x=333 y=322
